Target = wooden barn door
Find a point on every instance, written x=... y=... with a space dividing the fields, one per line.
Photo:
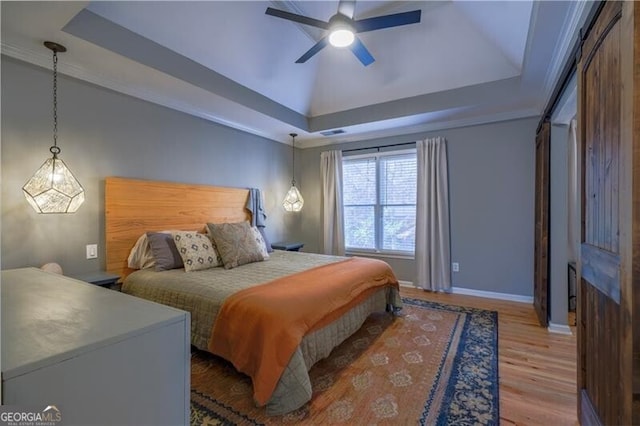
x=608 y=376
x=541 y=249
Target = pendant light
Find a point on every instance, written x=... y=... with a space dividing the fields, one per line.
x=53 y=188
x=293 y=201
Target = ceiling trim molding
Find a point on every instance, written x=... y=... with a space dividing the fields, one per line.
x=415 y=105
x=102 y=32
x=43 y=60
x=194 y=89
x=422 y=128
x=532 y=24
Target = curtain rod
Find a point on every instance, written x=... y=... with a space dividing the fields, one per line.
x=378 y=147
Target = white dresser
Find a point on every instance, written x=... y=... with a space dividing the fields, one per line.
x=100 y=356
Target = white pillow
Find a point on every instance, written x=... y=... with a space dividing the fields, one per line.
x=140 y=256
x=257 y=235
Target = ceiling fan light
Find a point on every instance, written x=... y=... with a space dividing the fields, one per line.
x=341 y=37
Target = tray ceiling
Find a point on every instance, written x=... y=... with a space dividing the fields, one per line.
x=466 y=62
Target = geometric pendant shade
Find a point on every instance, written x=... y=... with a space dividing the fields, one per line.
x=53 y=188
x=293 y=201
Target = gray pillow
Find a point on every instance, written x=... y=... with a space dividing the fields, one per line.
x=164 y=251
x=235 y=242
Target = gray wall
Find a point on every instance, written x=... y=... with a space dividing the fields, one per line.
x=491 y=172
x=104 y=133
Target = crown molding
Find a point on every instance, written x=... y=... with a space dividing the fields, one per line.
x=41 y=59
x=422 y=128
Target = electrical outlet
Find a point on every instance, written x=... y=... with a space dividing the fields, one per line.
x=92 y=251
x=455 y=266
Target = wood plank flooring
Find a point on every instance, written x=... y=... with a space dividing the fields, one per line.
x=537 y=369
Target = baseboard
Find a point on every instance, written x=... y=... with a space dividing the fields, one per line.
x=479 y=293
x=493 y=295
x=559 y=328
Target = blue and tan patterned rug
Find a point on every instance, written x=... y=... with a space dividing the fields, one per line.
x=434 y=364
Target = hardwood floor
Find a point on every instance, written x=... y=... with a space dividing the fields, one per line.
x=537 y=369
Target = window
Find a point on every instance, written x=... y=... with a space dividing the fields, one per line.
x=379 y=196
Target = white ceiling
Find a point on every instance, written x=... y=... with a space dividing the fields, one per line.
x=466 y=62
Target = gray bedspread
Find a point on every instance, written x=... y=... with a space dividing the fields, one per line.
x=202 y=293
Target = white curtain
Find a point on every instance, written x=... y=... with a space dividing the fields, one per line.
x=333 y=222
x=573 y=228
x=433 y=253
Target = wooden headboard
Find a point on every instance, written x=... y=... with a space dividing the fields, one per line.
x=133 y=207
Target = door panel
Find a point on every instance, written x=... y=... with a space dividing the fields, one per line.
x=601 y=73
x=606 y=342
x=601 y=269
x=541 y=249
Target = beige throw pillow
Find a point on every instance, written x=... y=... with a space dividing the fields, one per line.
x=236 y=243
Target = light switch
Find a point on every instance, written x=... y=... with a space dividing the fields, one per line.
x=92 y=251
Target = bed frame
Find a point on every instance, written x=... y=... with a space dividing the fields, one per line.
x=133 y=207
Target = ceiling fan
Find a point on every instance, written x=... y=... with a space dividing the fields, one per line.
x=342 y=28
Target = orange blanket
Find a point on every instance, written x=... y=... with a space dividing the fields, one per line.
x=258 y=329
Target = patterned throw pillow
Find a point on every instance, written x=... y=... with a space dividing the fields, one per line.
x=257 y=235
x=236 y=243
x=197 y=251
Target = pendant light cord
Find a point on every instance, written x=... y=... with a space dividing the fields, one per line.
x=293 y=159
x=54 y=149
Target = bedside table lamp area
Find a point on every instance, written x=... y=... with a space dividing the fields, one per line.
x=100 y=278
x=287 y=246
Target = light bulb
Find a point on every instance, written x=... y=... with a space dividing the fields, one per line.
x=341 y=37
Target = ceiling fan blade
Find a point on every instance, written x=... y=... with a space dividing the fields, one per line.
x=315 y=49
x=347 y=8
x=297 y=18
x=361 y=52
x=387 y=21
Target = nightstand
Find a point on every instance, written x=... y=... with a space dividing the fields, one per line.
x=287 y=246
x=101 y=278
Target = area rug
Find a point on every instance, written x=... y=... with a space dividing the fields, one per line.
x=434 y=364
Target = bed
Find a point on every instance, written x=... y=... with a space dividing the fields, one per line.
x=279 y=371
